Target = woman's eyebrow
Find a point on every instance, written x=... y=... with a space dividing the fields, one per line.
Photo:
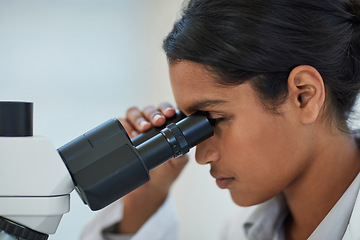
x=198 y=106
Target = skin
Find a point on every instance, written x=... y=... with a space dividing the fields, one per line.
x=256 y=154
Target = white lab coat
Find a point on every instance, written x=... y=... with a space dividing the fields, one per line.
x=353 y=228
x=163 y=224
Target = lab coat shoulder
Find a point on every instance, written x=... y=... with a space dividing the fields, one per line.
x=163 y=225
x=353 y=229
x=234 y=227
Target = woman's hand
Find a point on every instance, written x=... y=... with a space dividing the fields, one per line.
x=143 y=202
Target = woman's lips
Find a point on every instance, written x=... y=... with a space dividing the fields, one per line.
x=222 y=182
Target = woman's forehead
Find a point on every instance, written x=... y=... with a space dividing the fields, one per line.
x=193 y=77
x=195 y=89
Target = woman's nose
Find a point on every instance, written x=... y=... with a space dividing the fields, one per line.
x=206 y=153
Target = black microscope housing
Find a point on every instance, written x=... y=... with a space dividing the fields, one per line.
x=106 y=165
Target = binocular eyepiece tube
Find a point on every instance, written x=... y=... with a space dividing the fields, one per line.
x=106 y=165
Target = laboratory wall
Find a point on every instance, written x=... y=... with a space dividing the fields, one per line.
x=84 y=61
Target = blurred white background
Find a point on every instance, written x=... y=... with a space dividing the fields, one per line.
x=84 y=61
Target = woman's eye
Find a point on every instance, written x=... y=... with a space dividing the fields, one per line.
x=216 y=121
x=214 y=118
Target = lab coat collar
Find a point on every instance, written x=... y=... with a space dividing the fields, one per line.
x=352 y=230
x=266 y=222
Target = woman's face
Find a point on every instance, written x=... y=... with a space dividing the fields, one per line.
x=254 y=152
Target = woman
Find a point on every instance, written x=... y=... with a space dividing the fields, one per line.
x=279 y=80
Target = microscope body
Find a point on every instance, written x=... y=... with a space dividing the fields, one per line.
x=35 y=185
x=103 y=165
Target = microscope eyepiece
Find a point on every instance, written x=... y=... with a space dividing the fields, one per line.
x=175 y=139
x=106 y=165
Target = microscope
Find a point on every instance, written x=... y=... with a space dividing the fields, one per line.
x=102 y=165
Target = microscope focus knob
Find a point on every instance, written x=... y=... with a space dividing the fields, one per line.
x=18 y=231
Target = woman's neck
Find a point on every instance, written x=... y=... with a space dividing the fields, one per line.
x=313 y=194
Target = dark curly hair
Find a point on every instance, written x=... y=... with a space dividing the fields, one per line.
x=261 y=41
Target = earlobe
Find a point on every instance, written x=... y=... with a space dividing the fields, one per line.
x=307 y=92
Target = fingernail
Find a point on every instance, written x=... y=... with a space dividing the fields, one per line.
x=169 y=109
x=143 y=123
x=157 y=117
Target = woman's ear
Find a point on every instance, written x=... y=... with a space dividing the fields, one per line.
x=306 y=92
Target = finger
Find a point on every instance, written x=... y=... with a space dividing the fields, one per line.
x=137 y=120
x=154 y=116
x=132 y=132
x=167 y=109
